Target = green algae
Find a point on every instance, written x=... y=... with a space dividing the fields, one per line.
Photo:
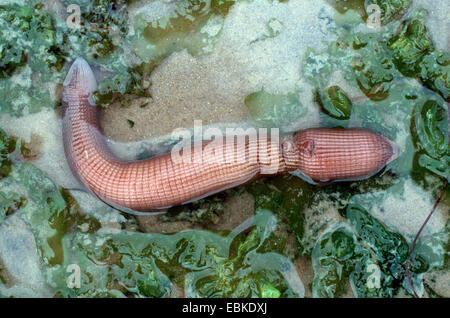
x=374 y=77
x=390 y=247
x=429 y=129
x=292 y=199
x=376 y=61
x=28 y=34
x=35 y=45
x=274 y=110
x=102 y=21
x=286 y=196
x=370 y=255
x=410 y=46
x=10 y=203
x=430 y=122
x=434 y=72
x=203 y=263
x=19 y=96
x=7 y=146
x=415 y=55
x=29 y=46
x=246 y=256
x=391 y=9
x=335 y=102
x=331 y=257
x=204 y=211
x=103 y=40
x=351 y=247
x=372 y=66
x=357 y=247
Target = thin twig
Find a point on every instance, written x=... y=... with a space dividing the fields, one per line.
x=408 y=261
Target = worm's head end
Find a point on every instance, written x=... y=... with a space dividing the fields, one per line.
x=327 y=155
x=80 y=80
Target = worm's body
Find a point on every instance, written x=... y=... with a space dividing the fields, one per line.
x=320 y=154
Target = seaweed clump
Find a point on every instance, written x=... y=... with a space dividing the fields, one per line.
x=377 y=61
x=10 y=203
x=102 y=39
x=204 y=211
x=29 y=35
x=334 y=102
x=34 y=45
x=102 y=26
x=416 y=56
x=7 y=146
x=286 y=196
x=369 y=254
x=429 y=129
x=203 y=263
x=254 y=267
x=410 y=46
x=364 y=58
x=30 y=52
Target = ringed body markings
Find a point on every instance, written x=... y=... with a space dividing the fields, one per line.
x=319 y=154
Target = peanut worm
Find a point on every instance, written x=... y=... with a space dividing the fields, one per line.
x=319 y=154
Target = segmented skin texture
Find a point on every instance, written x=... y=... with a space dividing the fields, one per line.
x=321 y=154
x=342 y=154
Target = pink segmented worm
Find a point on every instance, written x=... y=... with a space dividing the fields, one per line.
x=320 y=154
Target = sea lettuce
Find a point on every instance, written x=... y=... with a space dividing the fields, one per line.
x=335 y=102
x=416 y=56
x=203 y=263
x=370 y=255
x=28 y=34
x=30 y=50
x=7 y=146
x=410 y=47
x=430 y=132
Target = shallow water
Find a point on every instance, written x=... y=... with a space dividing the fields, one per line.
x=282 y=237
